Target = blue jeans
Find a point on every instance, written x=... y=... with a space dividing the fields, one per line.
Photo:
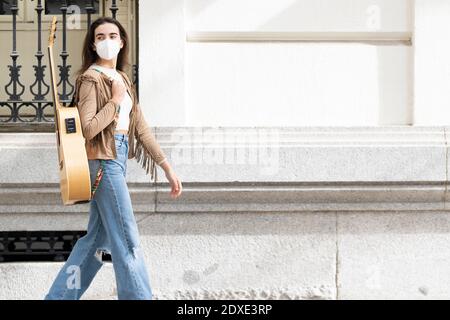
x=112 y=228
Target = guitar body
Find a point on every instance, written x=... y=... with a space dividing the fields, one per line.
x=75 y=181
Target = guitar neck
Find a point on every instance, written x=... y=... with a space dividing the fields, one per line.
x=56 y=105
x=53 y=79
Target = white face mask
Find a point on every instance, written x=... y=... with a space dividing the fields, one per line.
x=108 y=49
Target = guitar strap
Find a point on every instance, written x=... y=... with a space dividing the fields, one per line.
x=110 y=79
x=98 y=177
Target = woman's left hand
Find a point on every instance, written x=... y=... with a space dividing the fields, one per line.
x=175 y=183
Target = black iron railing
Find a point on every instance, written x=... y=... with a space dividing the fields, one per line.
x=11 y=118
x=23 y=246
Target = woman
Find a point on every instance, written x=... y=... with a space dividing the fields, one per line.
x=111 y=120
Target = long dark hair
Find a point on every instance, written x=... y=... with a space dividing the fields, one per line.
x=89 y=56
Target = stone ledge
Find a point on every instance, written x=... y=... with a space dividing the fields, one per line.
x=261 y=154
x=314 y=169
x=245 y=197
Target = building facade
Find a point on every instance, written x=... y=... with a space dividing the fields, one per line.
x=311 y=138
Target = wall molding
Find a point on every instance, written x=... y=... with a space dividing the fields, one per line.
x=408 y=170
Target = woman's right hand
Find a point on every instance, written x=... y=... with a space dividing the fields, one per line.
x=118 y=91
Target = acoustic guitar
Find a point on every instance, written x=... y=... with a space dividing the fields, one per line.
x=75 y=182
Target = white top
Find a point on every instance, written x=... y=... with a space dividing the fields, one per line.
x=125 y=105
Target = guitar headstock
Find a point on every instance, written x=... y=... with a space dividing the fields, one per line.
x=52 y=36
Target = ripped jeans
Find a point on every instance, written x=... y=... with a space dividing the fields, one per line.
x=112 y=228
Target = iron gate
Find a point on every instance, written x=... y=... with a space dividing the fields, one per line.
x=12 y=103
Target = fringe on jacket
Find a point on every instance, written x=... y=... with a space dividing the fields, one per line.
x=143 y=157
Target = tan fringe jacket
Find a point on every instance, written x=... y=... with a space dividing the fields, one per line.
x=98 y=121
